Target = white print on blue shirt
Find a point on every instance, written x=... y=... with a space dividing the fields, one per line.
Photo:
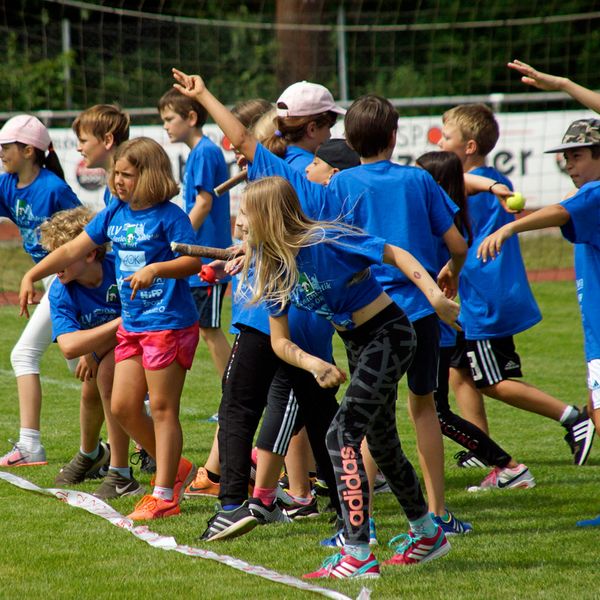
x=132 y=260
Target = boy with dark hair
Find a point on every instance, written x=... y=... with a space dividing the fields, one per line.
x=579 y=219
x=405 y=206
x=205 y=169
x=496 y=299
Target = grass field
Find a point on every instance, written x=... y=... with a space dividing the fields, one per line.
x=525 y=543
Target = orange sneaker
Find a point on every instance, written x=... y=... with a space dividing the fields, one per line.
x=150 y=507
x=202 y=485
x=185 y=475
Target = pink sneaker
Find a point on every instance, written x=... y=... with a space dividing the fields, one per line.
x=344 y=566
x=506 y=478
x=20 y=457
x=414 y=549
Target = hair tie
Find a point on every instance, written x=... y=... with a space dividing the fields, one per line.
x=278 y=133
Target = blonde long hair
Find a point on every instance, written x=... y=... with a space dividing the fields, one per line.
x=277 y=230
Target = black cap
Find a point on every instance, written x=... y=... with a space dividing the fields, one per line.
x=338 y=154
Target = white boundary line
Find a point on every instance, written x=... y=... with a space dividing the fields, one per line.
x=99 y=508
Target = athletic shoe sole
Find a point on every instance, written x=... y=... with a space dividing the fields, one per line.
x=235 y=530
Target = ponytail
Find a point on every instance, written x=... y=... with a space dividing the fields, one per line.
x=49 y=161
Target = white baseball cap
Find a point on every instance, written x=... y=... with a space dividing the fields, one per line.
x=302 y=99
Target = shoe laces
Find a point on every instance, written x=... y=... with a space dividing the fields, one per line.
x=331 y=562
x=492 y=476
x=15 y=447
x=403 y=542
x=147 y=502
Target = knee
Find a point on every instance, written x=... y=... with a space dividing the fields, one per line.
x=25 y=360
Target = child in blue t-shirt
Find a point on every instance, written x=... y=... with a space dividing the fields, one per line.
x=306 y=112
x=159 y=332
x=32 y=189
x=205 y=169
x=433 y=215
x=326 y=268
x=86 y=312
x=579 y=219
x=496 y=300
x=100 y=130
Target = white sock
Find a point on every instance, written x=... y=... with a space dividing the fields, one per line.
x=29 y=439
x=93 y=454
x=358 y=551
x=163 y=493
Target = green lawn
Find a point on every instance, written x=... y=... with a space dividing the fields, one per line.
x=525 y=543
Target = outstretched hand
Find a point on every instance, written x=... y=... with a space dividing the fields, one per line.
x=447 y=310
x=537 y=79
x=492 y=244
x=191 y=86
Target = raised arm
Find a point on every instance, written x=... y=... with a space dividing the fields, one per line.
x=549 y=216
x=446 y=309
x=326 y=374
x=545 y=81
x=193 y=87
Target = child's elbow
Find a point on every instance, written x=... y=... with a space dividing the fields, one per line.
x=68 y=348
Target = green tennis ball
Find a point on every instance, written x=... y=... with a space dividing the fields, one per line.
x=516 y=201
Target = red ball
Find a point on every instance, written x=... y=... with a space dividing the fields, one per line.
x=208 y=274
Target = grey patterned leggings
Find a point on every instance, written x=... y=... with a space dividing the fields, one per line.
x=379 y=353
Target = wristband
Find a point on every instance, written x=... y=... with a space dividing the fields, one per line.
x=96 y=358
x=491 y=186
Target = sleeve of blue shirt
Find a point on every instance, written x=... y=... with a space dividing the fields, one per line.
x=62 y=311
x=315 y=199
x=584 y=210
x=204 y=170
x=441 y=207
x=179 y=228
x=97 y=228
x=66 y=198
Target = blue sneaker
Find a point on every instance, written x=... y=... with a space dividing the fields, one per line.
x=595 y=522
x=336 y=541
x=451 y=525
x=339 y=539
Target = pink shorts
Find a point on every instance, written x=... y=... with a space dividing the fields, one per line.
x=158 y=349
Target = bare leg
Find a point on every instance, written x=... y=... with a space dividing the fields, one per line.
x=164 y=388
x=268 y=468
x=212 y=462
x=29 y=390
x=119 y=440
x=298 y=461
x=526 y=397
x=431 y=449
x=469 y=399
x=91 y=416
x=218 y=346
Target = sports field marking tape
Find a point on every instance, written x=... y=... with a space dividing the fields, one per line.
x=99 y=508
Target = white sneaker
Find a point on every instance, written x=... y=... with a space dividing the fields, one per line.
x=506 y=478
x=21 y=457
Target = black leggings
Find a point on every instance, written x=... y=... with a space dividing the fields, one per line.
x=247 y=381
x=379 y=353
x=458 y=429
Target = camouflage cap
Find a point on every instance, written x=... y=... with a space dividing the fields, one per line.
x=580 y=134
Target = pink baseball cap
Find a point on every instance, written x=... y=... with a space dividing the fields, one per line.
x=25 y=129
x=303 y=99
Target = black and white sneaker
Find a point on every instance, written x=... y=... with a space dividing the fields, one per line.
x=580 y=436
x=267 y=514
x=230 y=523
x=467 y=460
x=298 y=510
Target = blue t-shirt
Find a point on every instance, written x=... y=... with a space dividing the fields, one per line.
x=205 y=169
x=407 y=208
x=140 y=238
x=335 y=278
x=28 y=207
x=298 y=158
x=496 y=300
x=308 y=330
x=584 y=231
x=74 y=307
x=108 y=197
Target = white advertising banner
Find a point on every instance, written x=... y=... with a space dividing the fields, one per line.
x=519 y=153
